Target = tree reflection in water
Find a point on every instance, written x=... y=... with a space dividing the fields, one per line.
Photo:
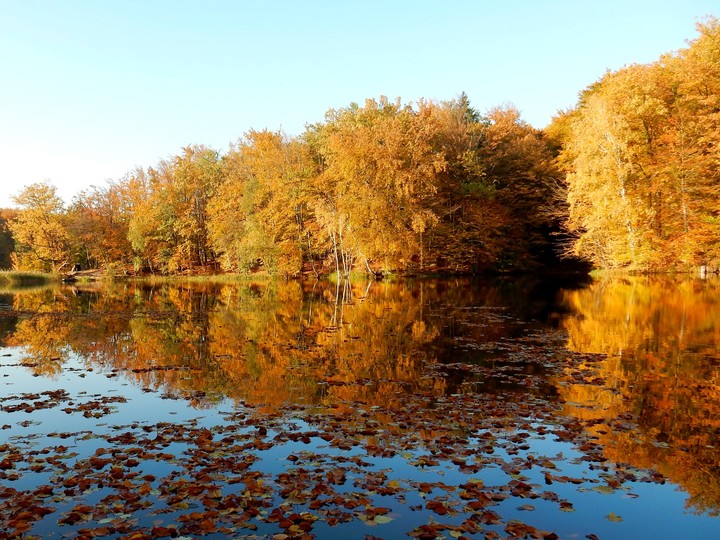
x=660 y=337
x=646 y=383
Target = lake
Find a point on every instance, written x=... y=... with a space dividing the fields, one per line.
x=522 y=407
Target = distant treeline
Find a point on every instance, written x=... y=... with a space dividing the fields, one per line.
x=627 y=179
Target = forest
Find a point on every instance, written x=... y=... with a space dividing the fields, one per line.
x=628 y=179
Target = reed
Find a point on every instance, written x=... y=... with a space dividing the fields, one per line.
x=14 y=277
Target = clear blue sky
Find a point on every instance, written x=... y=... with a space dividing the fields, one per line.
x=90 y=89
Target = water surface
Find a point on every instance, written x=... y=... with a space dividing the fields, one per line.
x=435 y=409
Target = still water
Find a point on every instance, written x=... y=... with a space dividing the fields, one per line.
x=428 y=408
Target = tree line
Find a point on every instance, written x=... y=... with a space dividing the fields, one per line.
x=626 y=179
x=384 y=187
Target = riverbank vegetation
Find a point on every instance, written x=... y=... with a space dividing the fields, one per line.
x=628 y=179
x=10 y=278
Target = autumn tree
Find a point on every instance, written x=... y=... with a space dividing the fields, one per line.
x=693 y=144
x=169 y=226
x=466 y=236
x=518 y=163
x=618 y=189
x=379 y=174
x=98 y=221
x=196 y=174
x=260 y=215
x=601 y=213
x=388 y=181
x=144 y=226
x=39 y=231
x=642 y=175
x=434 y=186
x=7 y=246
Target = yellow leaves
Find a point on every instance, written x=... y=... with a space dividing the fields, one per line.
x=386 y=167
x=260 y=214
x=418 y=223
x=640 y=186
x=39 y=231
x=169 y=222
x=385 y=185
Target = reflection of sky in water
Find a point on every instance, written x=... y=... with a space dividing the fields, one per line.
x=83 y=385
x=634 y=502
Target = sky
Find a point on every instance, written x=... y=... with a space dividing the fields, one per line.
x=92 y=89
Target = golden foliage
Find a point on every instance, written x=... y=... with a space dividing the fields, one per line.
x=642 y=176
x=383 y=187
x=260 y=216
x=661 y=336
x=40 y=235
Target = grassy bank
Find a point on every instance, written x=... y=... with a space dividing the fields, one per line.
x=12 y=277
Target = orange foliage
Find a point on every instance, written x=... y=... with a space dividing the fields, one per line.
x=661 y=337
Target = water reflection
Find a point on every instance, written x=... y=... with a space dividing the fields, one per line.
x=649 y=382
x=660 y=341
x=286 y=342
x=269 y=342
